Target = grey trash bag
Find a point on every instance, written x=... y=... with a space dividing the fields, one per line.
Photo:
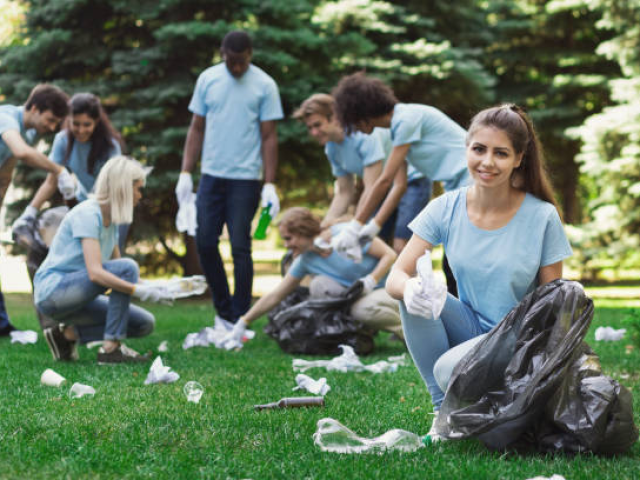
x=533 y=384
x=318 y=326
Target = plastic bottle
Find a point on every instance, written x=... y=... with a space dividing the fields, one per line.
x=292 y=402
x=263 y=223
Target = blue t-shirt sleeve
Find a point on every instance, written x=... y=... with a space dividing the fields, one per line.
x=429 y=224
x=86 y=225
x=59 y=148
x=270 y=106
x=298 y=268
x=406 y=127
x=8 y=122
x=336 y=169
x=371 y=149
x=198 y=104
x=555 y=246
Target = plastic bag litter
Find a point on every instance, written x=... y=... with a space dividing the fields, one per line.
x=24 y=337
x=193 y=390
x=164 y=346
x=332 y=436
x=180 y=287
x=532 y=383
x=555 y=476
x=318 y=326
x=186 y=218
x=608 y=334
x=349 y=362
x=159 y=373
x=317 y=387
x=78 y=390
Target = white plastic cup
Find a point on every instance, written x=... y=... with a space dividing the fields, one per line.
x=78 y=390
x=51 y=378
x=193 y=390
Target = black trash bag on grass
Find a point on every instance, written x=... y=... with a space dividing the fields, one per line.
x=317 y=326
x=533 y=384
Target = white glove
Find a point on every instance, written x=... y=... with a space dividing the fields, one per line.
x=369 y=232
x=233 y=339
x=346 y=242
x=416 y=302
x=152 y=293
x=66 y=184
x=369 y=284
x=435 y=290
x=184 y=188
x=269 y=196
x=27 y=218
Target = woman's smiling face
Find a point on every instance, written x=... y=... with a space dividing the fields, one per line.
x=491 y=158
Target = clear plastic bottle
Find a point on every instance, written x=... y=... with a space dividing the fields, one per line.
x=263 y=223
x=292 y=402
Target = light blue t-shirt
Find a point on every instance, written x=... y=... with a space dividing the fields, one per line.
x=233 y=109
x=494 y=269
x=357 y=151
x=437 y=143
x=335 y=266
x=11 y=118
x=78 y=160
x=65 y=254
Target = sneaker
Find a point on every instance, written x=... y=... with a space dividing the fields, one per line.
x=121 y=354
x=61 y=348
x=220 y=323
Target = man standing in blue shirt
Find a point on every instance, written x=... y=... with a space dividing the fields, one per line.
x=235 y=107
x=46 y=107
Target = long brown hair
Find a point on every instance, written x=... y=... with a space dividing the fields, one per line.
x=531 y=175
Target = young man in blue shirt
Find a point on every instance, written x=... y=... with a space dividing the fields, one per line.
x=43 y=112
x=235 y=107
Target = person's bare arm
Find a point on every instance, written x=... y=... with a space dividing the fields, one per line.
x=376 y=193
x=270 y=300
x=269 y=149
x=385 y=255
x=341 y=200
x=392 y=200
x=97 y=274
x=370 y=175
x=26 y=153
x=550 y=273
x=405 y=266
x=193 y=143
x=45 y=192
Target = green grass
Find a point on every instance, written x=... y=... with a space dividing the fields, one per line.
x=130 y=430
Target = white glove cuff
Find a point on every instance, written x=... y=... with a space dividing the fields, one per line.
x=30 y=211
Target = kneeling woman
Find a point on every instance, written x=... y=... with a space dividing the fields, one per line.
x=84 y=262
x=333 y=274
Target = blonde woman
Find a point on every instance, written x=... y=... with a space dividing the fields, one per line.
x=84 y=262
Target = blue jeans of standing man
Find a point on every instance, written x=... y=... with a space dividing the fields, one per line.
x=232 y=202
x=428 y=340
x=78 y=301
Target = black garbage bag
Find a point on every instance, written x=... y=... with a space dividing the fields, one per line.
x=317 y=326
x=533 y=384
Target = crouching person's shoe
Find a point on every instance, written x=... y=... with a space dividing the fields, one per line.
x=61 y=348
x=120 y=354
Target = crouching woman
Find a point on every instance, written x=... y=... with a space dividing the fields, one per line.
x=333 y=275
x=84 y=262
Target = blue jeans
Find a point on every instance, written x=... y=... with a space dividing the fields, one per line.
x=4 y=316
x=428 y=340
x=78 y=301
x=223 y=201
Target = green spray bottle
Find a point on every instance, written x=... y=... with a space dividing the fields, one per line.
x=263 y=223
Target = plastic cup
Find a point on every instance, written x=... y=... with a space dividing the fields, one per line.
x=78 y=390
x=51 y=378
x=193 y=390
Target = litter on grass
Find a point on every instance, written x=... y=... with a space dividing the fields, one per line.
x=292 y=402
x=608 y=334
x=24 y=336
x=193 y=390
x=555 y=476
x=163 y=347
x=350 y=362
x=317 y=387
x=332 y=436
x=51 y=378
x=159 y=373
x=78 y=390
x=211 y=336
x=180 y=287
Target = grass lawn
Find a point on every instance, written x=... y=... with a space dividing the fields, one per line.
x=129 y=430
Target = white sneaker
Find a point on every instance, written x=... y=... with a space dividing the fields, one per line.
x=220 y=323
x=433 y=431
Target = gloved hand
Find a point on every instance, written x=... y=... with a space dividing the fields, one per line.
x=27 y=218
x=416 y=301
x=269 y=196
x=184 y=188
x=369 y=232
x=66 y=184
x=152 y=293
x=346 y=242
x=435 y=290
x=233 y=339
x=369 y=284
